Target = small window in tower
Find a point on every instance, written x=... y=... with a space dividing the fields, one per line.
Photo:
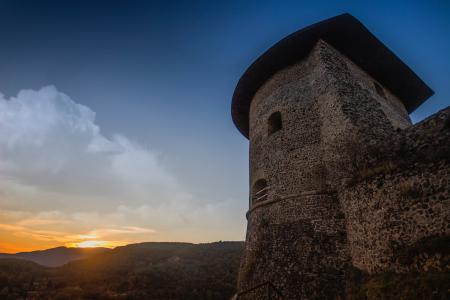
x=447 y=123
x=274 y=123
x=380 y=90
x=259 y=191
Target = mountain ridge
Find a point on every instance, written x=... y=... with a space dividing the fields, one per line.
x=55 y=257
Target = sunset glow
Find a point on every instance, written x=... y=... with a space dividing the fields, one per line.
x=93 y=244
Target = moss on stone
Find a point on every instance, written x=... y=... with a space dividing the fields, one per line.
x=409 y=190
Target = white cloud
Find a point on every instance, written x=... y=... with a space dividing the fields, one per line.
x=51 y=144
x=58 y=169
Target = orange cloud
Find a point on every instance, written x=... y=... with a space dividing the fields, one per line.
x=22 y=233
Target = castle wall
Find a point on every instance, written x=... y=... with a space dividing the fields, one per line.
x=295 y=238
x=357 y=93
x=401 y=199
x=284 y=156
x=312 y=224
x=297 y=245
x=323 y=100
x=352 y=109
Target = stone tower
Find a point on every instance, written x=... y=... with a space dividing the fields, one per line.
x=308 y=105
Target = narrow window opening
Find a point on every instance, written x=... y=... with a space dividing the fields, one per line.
x=274 y=123
x=380 y=90
x=447 y=123
x=259 y=191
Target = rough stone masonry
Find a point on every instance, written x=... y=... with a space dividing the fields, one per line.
x=339 y=177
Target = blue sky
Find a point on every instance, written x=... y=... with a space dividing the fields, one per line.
x=159 y=76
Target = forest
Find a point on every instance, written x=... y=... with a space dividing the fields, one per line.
x=136 y=271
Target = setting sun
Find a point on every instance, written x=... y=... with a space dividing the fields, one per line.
x=93 y=244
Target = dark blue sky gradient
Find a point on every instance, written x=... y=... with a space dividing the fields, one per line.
x=163 y=73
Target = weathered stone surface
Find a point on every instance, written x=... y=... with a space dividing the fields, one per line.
x=400 y=197
x=350 y=181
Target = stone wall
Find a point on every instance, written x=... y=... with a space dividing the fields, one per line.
x=351 y=110
x=295 y=237
x=399 y=198
x=297 y=241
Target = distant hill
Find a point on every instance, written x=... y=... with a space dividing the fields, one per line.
x=55 y=257
x=137 y=271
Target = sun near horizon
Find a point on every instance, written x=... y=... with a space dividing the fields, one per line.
x=11 y=248
x=96 y=244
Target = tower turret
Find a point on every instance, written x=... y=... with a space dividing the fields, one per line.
x=300 y=104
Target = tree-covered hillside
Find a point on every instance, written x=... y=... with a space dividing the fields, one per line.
x=138 y=271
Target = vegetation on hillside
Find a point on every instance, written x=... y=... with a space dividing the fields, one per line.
x=138 y=271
